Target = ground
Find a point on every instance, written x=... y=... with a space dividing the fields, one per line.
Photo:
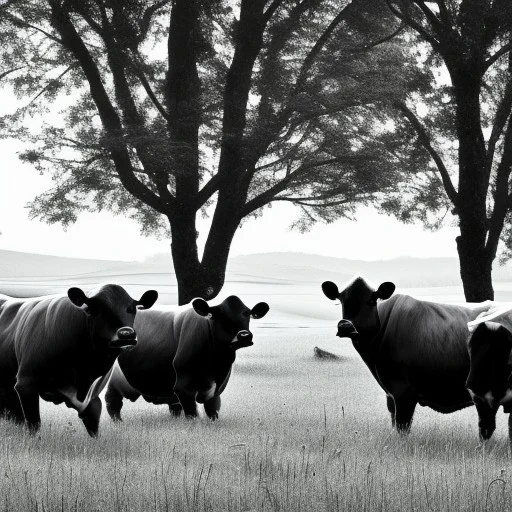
x=295 y=433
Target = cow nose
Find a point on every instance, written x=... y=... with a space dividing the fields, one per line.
x=124 y=336
x=346 y=329
x=126 y=333
x=242 y=339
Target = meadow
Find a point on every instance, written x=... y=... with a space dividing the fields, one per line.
x=296 y=433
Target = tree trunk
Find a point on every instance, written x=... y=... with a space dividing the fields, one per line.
x=476 y=272
x=200 y=279
x=475 y=260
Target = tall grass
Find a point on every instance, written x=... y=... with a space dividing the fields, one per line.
x=295 y=434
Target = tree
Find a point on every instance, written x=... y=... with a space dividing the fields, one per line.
x=473 y=39
x=247 y=104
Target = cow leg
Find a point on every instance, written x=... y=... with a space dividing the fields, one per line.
x=91 y=417
x=390 y=402
x=175 y=407
x=486 y=420
x=114 y=402
x=404 y=411
x=10 y=406
x=29 y=399
x=187 y=398
x=212 y=407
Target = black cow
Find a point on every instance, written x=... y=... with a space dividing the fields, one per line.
x=61 y=348
x=183 y=357
x=490 y=377
x=415 y=349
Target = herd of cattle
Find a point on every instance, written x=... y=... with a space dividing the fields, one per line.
x=66 y=349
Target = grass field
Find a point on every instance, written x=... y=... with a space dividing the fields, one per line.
x=295 y=434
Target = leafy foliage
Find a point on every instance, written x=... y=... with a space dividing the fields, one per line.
x=314 y=128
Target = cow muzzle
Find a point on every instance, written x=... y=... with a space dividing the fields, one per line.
x=125 y=336
x=242 y=339
x=346 y=329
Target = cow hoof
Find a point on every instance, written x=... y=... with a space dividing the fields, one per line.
x=33 y=428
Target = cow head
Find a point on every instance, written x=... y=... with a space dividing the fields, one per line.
x=359 y=305
x=112 y=313
x=230 y=320
x=489 y=382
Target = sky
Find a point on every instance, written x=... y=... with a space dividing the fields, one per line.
x=370 y=237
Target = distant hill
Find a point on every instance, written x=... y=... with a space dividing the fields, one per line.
x=40 y=274
x=404 y=271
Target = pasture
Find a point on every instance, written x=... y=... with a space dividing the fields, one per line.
x=295 y=433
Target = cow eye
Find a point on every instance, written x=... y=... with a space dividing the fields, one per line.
x=92 y=309
x=132 y=308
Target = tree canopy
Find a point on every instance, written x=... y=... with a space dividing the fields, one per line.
x=159 y=110
x=467 y=131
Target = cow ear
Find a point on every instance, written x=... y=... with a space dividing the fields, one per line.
x=77 y=297
x=201 y=307
x=260 y=310
x=148 y=299
x=330 y=290
x=385 y=290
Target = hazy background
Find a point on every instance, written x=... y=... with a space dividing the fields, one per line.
x=370 y=237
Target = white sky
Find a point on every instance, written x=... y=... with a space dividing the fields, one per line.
x=371 y=237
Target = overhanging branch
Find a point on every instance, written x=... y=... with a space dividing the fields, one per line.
x=425 y=141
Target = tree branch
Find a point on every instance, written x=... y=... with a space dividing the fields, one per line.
x=22 y=23
x=431 y=17
x=148 y=14
x=425 y=141
x=320 y=43
x=384 y=39
x=272 y=8
x=46 y=87
x=493 y=58
x=9 y=71
x=502 y=114
x=267 y=196
x=110 y=120
x=501 y=196
x=149 y=91
x=413 y=24
x=444 y=13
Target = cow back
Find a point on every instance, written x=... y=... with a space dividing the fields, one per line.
x=423 y=345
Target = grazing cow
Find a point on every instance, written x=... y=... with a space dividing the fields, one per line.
x=183 y=357
x=490 y=377
x=61 y=348
x=415 y=349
